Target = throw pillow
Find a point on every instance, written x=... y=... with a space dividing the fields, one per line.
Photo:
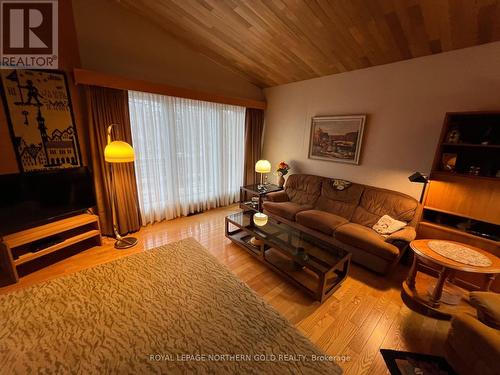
x=340 y=184
x=387 y=225
x=487 y=305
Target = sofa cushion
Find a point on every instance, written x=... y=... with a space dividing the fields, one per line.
x=320 y=220
x=366 y=239
x=286 y=210
x=339 y=202
x=375 y=203
x=487 y=305
x=303 y=188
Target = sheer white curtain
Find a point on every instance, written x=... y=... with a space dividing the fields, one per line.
x=189 y=154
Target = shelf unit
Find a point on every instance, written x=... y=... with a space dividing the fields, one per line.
x=460 y=206
x=470 y=145
x=28 y=245
x=476 y=145
x=437 y=174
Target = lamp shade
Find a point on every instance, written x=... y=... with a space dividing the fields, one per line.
x=263 y=166
x=119 y=152
x=260 y=219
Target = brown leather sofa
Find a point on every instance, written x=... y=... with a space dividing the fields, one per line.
x=344 y=217
x=473 y=344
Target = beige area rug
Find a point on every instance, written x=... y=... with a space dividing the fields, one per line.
x=173 y=309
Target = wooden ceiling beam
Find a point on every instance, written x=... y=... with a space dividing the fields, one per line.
x=93 y=78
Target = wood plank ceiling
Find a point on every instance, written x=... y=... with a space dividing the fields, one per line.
x=272 y=42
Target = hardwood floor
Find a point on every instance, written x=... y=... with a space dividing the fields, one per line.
x=364 y=315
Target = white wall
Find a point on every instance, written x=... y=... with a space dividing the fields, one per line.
x=116 y=41
x=405 y=103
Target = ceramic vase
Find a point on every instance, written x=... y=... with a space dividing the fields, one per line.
x=281 y=180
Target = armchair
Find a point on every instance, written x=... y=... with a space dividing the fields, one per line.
x=473 y=346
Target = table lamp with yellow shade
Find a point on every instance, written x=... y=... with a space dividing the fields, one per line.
x=118 y=152
x=262 y=167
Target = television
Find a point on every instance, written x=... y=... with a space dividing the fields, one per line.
x=31 y=199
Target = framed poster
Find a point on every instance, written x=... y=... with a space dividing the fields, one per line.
x=337 y=138
x=41 y=122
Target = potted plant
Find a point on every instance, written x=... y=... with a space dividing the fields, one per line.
x=281 y=171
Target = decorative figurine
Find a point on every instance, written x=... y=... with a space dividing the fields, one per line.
x=453 y=136
x=449 y=161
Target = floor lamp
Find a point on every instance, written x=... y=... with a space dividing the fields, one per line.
x=422 y=179
x=118 y=152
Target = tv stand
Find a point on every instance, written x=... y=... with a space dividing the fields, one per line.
x=19 y=248
x=44 y=243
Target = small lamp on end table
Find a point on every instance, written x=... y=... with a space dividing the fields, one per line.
x=262 y=166
x=118 y=152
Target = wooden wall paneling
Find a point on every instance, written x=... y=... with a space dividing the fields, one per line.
x=464 y=24
x=277 y=42
x=358 y=27
x=431 y=18
x=485 y=20
x=381 y=32
x=298 y=65
x=354 y=54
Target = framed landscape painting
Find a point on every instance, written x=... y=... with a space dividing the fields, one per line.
x=337 y=138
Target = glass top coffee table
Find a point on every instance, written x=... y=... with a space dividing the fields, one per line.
x=310 y=263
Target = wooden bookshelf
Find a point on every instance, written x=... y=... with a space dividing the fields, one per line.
x=476 y=144
x=28 y=245
x=437 y=174
x=459 y=205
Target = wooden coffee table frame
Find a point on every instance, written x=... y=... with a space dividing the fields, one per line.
x=330 y=276
x=424 y=255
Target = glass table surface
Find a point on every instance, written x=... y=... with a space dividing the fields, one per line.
x=304 y=248
x=269 y=188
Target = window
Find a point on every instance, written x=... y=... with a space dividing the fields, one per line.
x=189 y=154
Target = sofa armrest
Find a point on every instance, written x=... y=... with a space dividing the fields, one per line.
x=277 y=196
x=487 y=305
x=407 y=234
x=475 y=342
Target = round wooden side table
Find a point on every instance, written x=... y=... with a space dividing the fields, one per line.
x=415 y=288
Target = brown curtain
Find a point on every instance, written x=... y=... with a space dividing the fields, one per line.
x=104 y=107
x=254 y=125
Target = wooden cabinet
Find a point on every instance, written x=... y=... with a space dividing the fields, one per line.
x=469 y=145
x=462 y=201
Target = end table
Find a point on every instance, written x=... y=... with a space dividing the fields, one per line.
x=415 y=287
x=249 y=191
